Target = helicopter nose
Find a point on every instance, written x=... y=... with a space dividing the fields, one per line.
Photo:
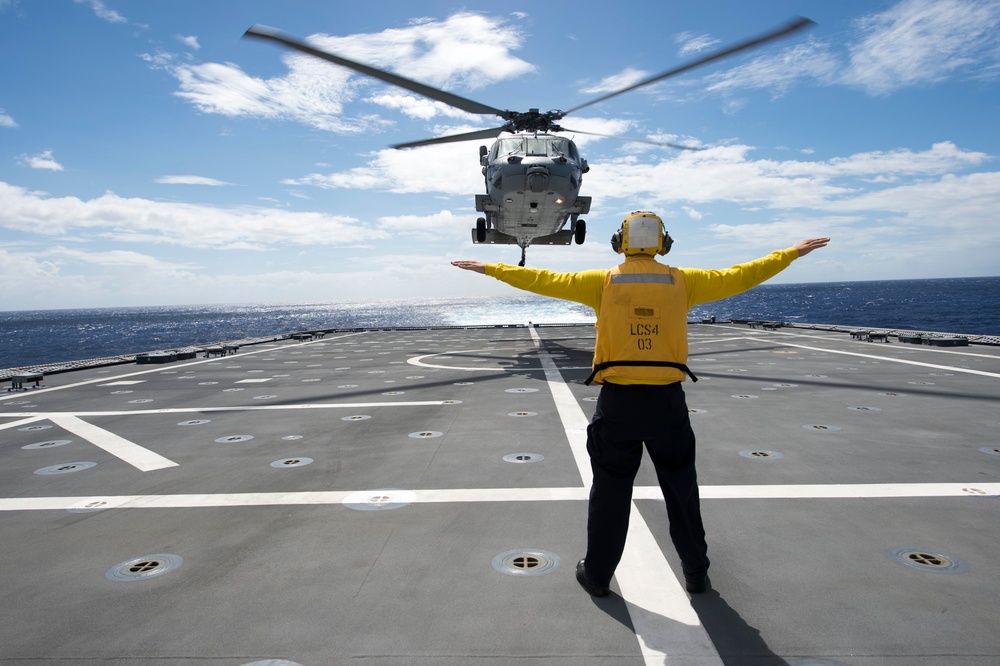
x=538 y=178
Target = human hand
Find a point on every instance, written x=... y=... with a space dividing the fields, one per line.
x=471 y=265
x=806 y=246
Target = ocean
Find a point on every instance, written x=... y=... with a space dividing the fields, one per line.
x=42 y=337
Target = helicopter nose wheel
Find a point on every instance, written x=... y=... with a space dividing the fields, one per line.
x=580 y=231
x=523 y=248
x=481 y=230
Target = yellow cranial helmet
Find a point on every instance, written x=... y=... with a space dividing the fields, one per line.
x=641 y=232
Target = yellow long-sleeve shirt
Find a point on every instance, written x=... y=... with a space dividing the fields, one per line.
x=703 y=286
x=700 y=286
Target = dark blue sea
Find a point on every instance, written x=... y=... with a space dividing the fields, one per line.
x=28 y=338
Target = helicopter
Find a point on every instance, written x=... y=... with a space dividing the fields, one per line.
x=533 y=176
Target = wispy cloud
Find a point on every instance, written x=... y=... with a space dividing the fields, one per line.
x=43 y=160
x=924 y=41
x=690 y=43
x=622 y=79
x=103 y=11
x=7 y=120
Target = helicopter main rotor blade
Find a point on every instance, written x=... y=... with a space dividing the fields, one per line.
x=793 y=26
x=632 y=138
x=451 y=138
x=471 y=106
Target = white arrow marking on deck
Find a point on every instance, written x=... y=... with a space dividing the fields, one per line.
x=135 y=455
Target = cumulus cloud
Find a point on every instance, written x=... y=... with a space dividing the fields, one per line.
x=465 y=50
x=6 y=120
x=190 y=41
x=136 y=220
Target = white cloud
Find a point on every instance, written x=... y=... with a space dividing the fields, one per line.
x=924 y=41
x=690 y=43
x=135 y=220
x=463 y=51
x=190 y=41
x=103 y=11
x=619 y=81
x=443 y=225
x=43 y=160
x=190 y=180
x=309 y=94
x=778 y=71
x=6 y=120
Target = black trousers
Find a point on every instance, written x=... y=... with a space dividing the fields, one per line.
x=626 y=418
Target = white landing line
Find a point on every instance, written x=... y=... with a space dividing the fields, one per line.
x=864 y=491
x=36 y=416
x=666 y=626
x=891 y=359
x=135 y=455
x=573 y=419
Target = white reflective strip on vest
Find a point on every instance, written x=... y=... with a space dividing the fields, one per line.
x=662 y=278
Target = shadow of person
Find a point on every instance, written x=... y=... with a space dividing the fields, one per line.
x=737 y=643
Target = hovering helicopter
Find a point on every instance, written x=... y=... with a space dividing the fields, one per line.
x=533 y=177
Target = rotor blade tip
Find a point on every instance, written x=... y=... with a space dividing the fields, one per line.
x=258 y=30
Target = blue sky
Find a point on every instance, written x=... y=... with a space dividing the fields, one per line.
x=151 y=156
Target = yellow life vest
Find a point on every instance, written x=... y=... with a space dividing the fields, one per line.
x=642 y=326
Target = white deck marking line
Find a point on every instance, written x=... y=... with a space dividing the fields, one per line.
x=923 y=348
x=161 y=368
x=20 y=422
x=668 y=628
x=984 y=491
x=130 y=452
x=882 y=358
x=573 y=419
x=664 y=622
x=235 y=408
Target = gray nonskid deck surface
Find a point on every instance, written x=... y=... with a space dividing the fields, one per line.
x=360 y=498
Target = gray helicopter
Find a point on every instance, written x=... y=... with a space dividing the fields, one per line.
x=533 y=177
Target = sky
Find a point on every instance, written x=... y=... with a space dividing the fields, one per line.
x=149 y=155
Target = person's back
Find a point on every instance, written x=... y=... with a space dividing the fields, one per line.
x=640 y=358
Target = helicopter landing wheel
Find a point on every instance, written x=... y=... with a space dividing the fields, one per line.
x=481 y=230
x=581 y=231
x=521 y=263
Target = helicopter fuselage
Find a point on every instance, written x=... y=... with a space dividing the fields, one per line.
x=533 y=183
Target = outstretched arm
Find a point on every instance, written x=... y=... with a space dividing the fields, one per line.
x=713 y=285
x=471 y=265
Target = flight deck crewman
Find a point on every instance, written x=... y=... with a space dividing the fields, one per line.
x=639 y=359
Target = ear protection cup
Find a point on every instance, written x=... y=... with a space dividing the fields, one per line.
x=667 y=243
x=616 y=241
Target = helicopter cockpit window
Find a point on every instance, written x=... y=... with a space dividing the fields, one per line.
x=511 y=147
x=540 y=146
